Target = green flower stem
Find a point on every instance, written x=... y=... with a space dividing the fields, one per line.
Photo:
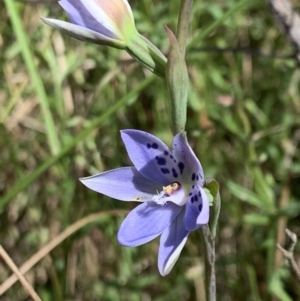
x=27 y=180
x=213 y=186
x=177 y=79
x=215 y=215
x=183 y=24
x=208 y=235
x=38 y=85
x=176 y=71
x=208 y=242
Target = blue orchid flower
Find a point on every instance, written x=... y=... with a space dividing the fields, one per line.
x=168 y=182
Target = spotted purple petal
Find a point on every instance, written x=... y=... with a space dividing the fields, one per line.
x=125 y=184
x=197 y=208
x=145 y=222
x=190 y=167
x=151 y=157
x=172 y=242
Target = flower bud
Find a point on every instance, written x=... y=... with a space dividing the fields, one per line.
x=110 y=23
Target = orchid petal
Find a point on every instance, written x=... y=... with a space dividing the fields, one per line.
x=80 y=15
x=145 y=222
x=84 y=34
x=124 y=184
x=197 y=208
x=102 y=13
x=190 y=167
x=128 y=8
x=151 y=157
x=171 y=244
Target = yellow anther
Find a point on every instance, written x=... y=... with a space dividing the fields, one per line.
x=171 y=188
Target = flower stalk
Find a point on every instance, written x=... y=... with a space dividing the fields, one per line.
x=185 y=12
x=208 y=242
x=208 y=236
x=176 y=70
x=178 y=84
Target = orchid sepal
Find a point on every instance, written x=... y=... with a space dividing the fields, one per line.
x=147 y=54
x=84 y=34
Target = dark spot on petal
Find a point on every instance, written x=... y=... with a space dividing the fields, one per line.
x=200 y=207
x=171 y=157
x=196 y=198
x=166 y=153
x=148 y=145
x=165 y=170
x=197 y=178
x=192 y=199
x=193 y=177
x=174 y=161
x=155 y=145
x=181 y=167
x=193 y=186
x=199 y=194
x=161 y=161
x=175 y=174
x=190 y=194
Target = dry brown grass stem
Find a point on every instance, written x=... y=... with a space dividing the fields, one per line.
x=28 y=288
x=54 y=243
x=289 y=253
x=282 y=223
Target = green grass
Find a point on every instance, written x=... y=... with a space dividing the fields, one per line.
x=62 y=105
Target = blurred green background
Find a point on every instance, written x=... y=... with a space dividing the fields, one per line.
x=243 y=123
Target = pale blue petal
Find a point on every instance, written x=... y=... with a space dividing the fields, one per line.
x=79 y=15
x=145 y=222
x=151 y=157
x=172 y=242
x=124 y=184
x=191 y=169
x=197 y=208
x=73 y=10
x=84 y=34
